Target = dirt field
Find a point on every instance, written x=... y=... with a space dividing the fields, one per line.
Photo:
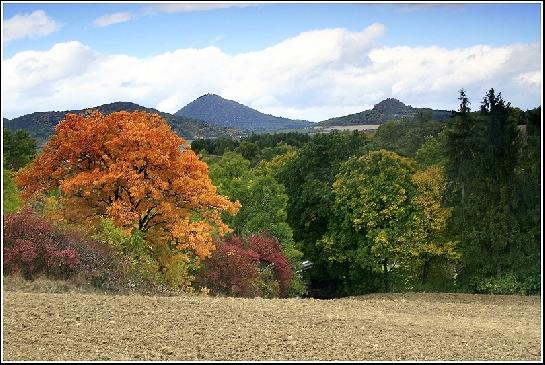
x=79 y=326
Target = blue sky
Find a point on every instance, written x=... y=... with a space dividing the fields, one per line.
x=233 y=36
x=251 y=28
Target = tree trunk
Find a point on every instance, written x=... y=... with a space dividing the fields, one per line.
x=426 y=270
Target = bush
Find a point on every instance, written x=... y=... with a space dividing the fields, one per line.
x=267 y=285
x=270 y=254
x=252 y=267
x=505 y=284
x=530 y=282
x=162 y=269
x=140 y=271
x=32 y=246
x=232 y=270
x=11 y=200
x=176 y=268
x=508 y=283
x=99 y=266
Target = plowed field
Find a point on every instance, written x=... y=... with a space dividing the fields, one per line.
x=79 y=326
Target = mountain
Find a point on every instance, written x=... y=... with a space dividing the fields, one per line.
x=42 y=124
x=228 y=113
x=388 y=109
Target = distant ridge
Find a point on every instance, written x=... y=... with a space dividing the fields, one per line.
x=42 y=124
x=216 y=110
x=387 y=109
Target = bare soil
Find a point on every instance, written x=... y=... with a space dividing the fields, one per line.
x=92 y=326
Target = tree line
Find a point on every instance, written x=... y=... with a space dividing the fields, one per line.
x=420 y=205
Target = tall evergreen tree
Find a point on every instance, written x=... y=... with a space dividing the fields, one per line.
x=484 y=169
x=460 y=147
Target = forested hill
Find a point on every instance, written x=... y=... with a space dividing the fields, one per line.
x=388 y=109
x=42 y=124
x=219 y=111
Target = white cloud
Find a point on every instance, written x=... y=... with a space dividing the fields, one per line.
x=531 y=79
x=122 y=17
x=188 y=7
x=114 y=18
x=36 y=24
x=315 y=75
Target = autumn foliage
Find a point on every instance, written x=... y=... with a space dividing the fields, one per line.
x=133 y=169
x=248 y=267
x=34 y=246
x=232 y=270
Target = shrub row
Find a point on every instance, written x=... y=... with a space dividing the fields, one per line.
x=244 y=267
x=33 y=246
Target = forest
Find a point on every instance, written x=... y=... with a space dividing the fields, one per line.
x=119 y=201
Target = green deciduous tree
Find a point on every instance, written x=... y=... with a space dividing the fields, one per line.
x=19 y=148
x=405 y=137
x=372 y=198
x=230 y=174
x=308 y=177
x=433 y=151
x=248 y=150
x=388 y=216
x=263 y=202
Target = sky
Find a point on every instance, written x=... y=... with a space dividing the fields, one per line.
x=310 y=61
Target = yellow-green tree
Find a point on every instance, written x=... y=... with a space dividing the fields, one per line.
x=426 y=237
x=388 y=216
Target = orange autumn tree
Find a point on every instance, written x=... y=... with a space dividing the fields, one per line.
x=133 y=169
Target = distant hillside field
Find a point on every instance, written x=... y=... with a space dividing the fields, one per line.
x=363 y=127
x=228 y=113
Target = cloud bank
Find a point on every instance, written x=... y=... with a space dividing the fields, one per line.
x=315 y=75
x=36 y=24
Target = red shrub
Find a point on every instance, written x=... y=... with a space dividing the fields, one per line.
x=231 y=270
x=270 y=253
x=233 y=267
x=33 y=245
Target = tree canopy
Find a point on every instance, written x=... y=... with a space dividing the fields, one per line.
x=19 y=148
x=387 y=215
x=131 y=168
